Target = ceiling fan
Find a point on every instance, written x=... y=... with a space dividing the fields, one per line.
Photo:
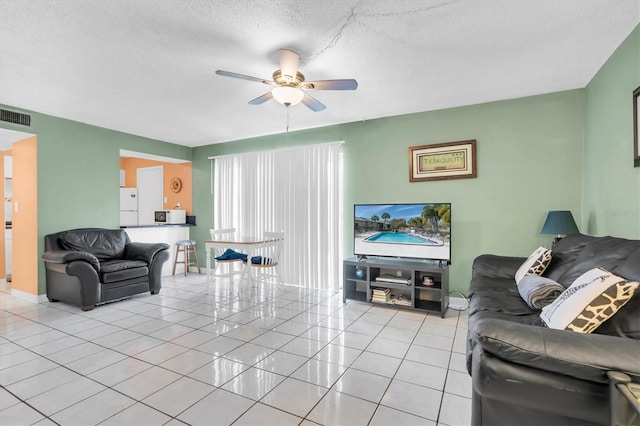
x=290 y=86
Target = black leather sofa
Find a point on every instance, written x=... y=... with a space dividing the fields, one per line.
x=524 y=373
x=90 y=266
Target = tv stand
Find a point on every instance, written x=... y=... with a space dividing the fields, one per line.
x=399 y=282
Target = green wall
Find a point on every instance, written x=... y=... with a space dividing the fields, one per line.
x=529 y=161
x=611 y=204
x=78 y=173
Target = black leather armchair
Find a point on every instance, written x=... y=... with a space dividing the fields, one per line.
x=90 y=266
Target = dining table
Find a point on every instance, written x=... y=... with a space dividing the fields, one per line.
x=248 y=245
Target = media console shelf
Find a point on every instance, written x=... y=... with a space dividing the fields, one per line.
x=422 y=285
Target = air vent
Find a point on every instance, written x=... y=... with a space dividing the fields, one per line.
x=15 y=117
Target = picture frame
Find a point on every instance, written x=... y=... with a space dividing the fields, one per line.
x=636 y=127
x=451 y=160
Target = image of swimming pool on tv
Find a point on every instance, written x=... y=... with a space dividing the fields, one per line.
x=403 y=230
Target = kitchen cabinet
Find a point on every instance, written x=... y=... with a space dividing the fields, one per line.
x=8 y=212
x=8 y=166
x=8 y=187
x=8 y=194
x=8 y=237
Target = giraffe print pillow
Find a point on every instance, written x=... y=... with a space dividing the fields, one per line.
x=535 y=264
x=592 y=299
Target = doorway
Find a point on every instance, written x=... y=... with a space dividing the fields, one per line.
x=150 y=183
x=18 y=217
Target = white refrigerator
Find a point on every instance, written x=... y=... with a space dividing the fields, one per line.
x=128 y=206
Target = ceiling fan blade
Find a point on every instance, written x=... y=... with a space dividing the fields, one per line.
x=245 y=77
x=261 y=99
x=347 y=84
x=289 y=61
x=312 y=103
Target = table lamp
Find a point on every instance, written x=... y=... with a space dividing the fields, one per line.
x=560 y=223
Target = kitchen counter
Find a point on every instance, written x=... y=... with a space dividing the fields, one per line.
x=161 y=233
x=158 y=225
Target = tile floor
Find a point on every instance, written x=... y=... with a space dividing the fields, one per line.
x=226 y=353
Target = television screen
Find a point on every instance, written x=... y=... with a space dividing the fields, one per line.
x=421 y=231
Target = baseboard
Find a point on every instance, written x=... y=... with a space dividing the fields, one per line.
x=29 y=297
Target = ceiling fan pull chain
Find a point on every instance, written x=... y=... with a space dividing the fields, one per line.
x=287 y=119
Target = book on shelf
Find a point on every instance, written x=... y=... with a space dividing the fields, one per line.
x=388 y=278
x=382 y=295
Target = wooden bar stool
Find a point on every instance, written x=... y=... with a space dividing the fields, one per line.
x=186 y=247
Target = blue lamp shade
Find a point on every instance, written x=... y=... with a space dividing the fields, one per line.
x=559 y=222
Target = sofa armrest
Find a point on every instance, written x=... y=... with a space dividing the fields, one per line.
x=66 y=256
x=580 y=355
x=143 y=251
x=492 y=266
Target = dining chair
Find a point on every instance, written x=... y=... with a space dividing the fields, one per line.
x=221 y=234
x=266 y=260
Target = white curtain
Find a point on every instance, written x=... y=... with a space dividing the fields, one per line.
x=298 y=191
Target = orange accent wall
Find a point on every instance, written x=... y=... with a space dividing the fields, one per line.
x=171 y=170
x=24 y=271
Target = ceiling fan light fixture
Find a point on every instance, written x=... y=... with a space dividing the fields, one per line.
x=287 y=96
x=288 y=86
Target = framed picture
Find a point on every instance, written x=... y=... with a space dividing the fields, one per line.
x=636 y=127
x=453 y=160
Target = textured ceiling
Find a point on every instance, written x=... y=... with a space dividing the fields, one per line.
x=147 y=67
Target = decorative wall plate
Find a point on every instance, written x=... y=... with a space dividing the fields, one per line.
x=176 y=184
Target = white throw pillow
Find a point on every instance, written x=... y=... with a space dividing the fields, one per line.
x=592 y=299
x=535 y=264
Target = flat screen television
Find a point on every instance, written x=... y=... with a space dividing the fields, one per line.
x=416 y=230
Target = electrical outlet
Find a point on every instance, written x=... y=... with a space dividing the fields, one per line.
x=399 y=273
